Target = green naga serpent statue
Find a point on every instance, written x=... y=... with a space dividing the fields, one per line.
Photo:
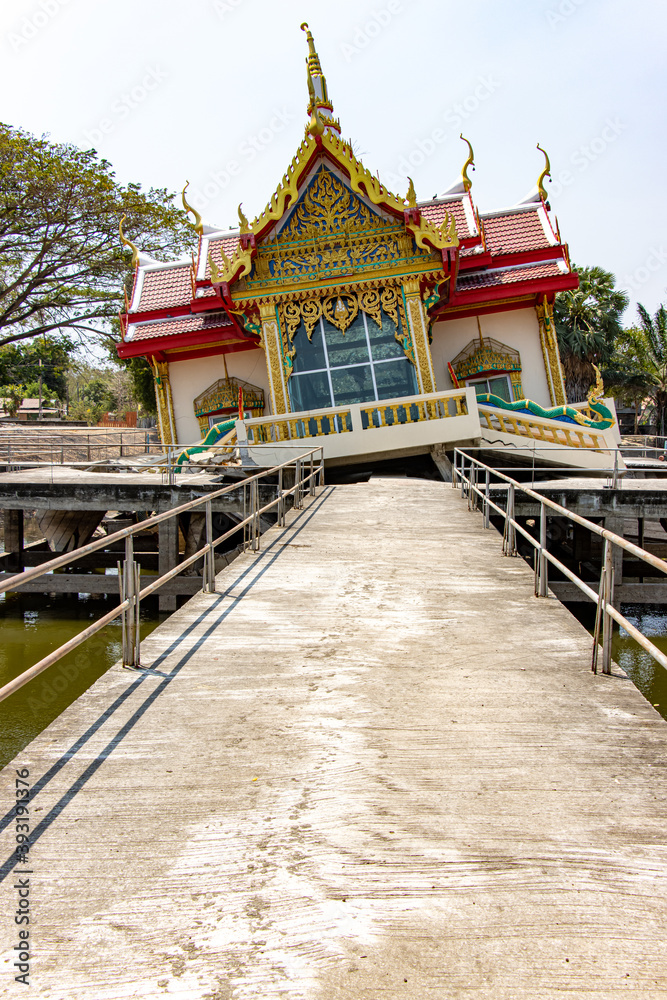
x=569 y=414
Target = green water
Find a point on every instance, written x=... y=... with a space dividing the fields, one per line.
x=643 y=671
x=32 y=625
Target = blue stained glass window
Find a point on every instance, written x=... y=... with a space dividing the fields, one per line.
x=363 y=364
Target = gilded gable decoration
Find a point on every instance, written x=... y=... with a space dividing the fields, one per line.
x=486 y=356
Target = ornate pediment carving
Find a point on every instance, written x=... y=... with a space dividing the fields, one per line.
x=331 y=233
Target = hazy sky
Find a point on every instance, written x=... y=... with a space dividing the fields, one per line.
x=214 y=91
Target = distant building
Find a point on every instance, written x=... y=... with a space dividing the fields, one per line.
x=29 y=410
x=369 y=322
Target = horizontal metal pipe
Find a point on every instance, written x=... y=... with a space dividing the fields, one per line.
x=596 y=598
x=71 y=557
x=584 y=522
x=57 y=654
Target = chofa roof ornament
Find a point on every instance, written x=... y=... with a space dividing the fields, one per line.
x=197 y=225
x=128 y=243
x=545 y=173
x=470 y=162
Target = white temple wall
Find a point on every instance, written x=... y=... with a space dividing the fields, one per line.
x=518 y=328
x=189 y=378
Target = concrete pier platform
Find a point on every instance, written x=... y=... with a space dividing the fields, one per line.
x=372 y=766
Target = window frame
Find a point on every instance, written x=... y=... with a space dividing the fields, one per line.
x=370 y=363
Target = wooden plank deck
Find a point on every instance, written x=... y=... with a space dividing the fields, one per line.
x=373 y=766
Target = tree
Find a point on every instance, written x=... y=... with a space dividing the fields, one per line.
x=50 y=357
x=12 y=396
x=139 y=370
x=62 y=266
x=638 y=366
x=143 y=383
x=587 y=321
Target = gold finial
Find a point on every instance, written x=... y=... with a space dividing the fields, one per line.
x=313 y=58
x=545 y=173
x=411 y=196
x=320 y=107
x=197 y=225
x=245 y=225
x=127 y=243
x=470 y=162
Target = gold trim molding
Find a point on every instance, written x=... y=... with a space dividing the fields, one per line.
x=165 y=403
x=550 y=354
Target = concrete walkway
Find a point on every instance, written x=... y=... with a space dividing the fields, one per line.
x=374 y=767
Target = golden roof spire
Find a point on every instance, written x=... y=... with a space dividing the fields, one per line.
x=320 y=107
x=128 y=243
x=470 y=162
x=545 y=173
x=197 y=225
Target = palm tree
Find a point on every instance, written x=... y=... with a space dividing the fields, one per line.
x=638 y=366
x=587 y=321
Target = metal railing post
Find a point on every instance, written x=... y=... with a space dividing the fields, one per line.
x=321 y=478
x=312 y=474
x=130 y=587
x=281 y=502
x=509 y=534
x=607 y=621
x=615 y=477
x=455 y=469
x=254 y=502
x=543 y=562
x=487 y=508
x=209 y=558
x=297 y=485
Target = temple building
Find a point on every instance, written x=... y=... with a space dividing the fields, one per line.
x=368 y=322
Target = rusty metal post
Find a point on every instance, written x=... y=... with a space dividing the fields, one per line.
x=543 y=561
x=607 y=621
x=130 y=592
x=208 y=583
x=254 y=509
x=509 y=534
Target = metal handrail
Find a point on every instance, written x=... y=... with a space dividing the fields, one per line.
x=129 y=574
x=603 y=599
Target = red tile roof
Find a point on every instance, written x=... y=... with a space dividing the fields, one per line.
x=513 y=232
x=435 y=213
x=229 y=244
x=164 y=287
x=487 y=279
x=204 y=323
